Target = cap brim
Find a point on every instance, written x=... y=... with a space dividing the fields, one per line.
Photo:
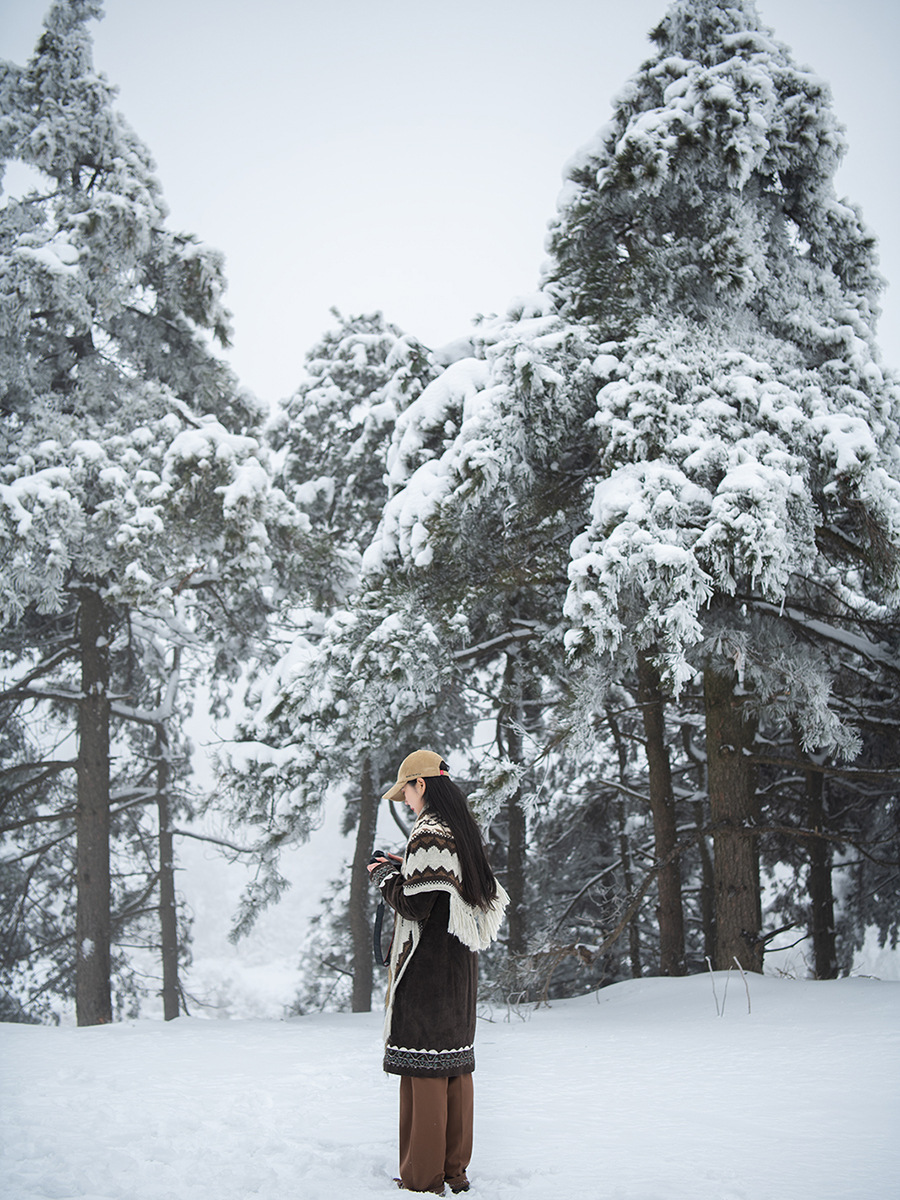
x=395 y=792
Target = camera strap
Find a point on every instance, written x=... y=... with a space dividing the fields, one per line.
x=380 y=958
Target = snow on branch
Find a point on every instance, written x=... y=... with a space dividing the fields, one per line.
x=521 y=632
x=205 y=837
x=867 y=649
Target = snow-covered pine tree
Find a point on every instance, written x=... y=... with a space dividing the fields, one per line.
x=328 y=718
x=745 y=523
x=487 y=468
x=135 y=502
x=331 y=435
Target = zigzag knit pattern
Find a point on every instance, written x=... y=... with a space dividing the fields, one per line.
x=432 y=864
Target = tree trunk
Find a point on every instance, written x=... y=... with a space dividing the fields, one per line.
x=93 y=1002
x=515 y=876
x=509 y=738
x=634 y=932
x=821 y=894
x=662 y=805
x=168 y=914
x=624 y=839
x=707 y=886
x=360 y=893
x=733 y=808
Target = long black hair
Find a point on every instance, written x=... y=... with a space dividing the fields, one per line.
x=443 y=797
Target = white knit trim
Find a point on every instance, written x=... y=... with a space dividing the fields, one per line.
x=411 y=1050
x=404 y=930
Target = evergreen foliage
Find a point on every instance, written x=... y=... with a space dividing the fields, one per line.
x=330 y=437
x=627 y=554
x=745 y=515
x=729 y=482
x=137 y=513
x=356 y=677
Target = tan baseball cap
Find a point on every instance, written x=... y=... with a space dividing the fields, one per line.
x=424 y=763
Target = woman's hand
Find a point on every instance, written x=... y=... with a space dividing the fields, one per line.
x=383 y=859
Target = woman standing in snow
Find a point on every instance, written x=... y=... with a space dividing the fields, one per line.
x=448 y=906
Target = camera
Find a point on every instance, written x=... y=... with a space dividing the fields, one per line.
x=384 y=854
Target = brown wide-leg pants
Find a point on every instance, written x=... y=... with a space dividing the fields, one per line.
x=435 y=1131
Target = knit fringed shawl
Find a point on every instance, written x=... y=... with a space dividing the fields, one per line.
x=431 y=864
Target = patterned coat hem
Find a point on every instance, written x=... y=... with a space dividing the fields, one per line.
x=429 y=1063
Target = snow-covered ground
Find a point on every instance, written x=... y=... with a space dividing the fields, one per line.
x=640 y=1092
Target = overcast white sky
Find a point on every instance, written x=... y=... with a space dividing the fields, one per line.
x=405 y=155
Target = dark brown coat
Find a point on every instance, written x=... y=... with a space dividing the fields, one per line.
x=432 y=985
x=432 y=1030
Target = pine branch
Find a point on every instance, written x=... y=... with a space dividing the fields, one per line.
x=136 y=907
x=15 y=690
x=62 y=696
x=806 y=765
x=203 y=837
x=871 y=651
x=131 y=800
x=522 y=632
x=590 y=883
x=38 y=850
x=46 y=770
